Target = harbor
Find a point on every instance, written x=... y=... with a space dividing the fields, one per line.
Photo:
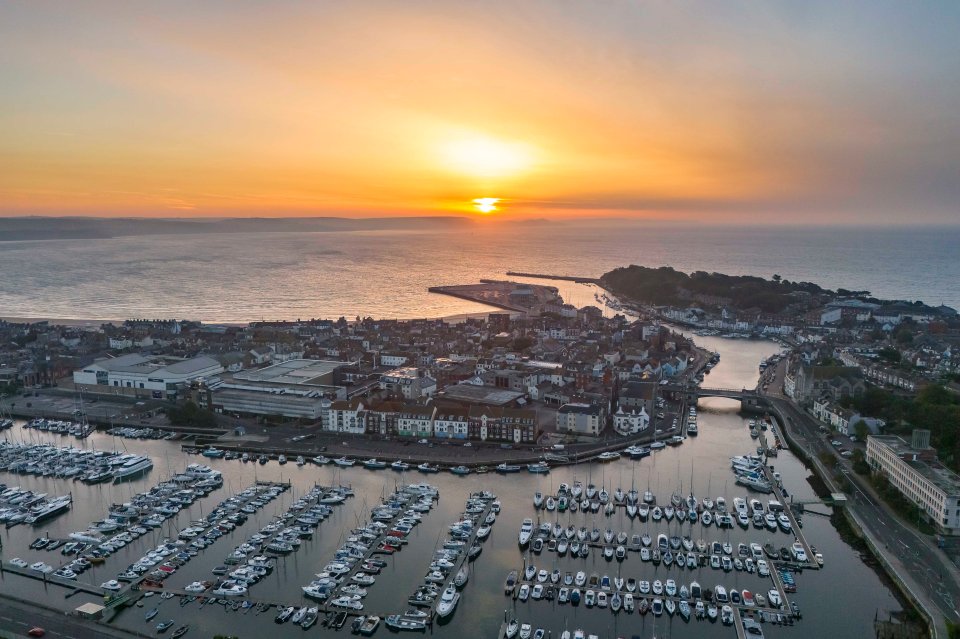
x=701 y=465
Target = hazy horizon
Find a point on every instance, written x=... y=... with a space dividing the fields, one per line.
x=774 y=113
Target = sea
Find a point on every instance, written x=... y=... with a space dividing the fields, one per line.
x=239 y=278
x=841 y=600
x=242 y=277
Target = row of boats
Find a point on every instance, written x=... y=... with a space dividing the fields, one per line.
x=79 y=430
x=166 y=558
x=657 y=598
x=250 y=561
x=449 y=569
x=88 y=466
x=127 y=522
x=690 y=509
x=343 y=582
x=749 y=473
x=22 y=506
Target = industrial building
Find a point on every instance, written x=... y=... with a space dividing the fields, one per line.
x=302 y=388
x=162 y=376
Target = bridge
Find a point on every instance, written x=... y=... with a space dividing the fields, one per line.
x=749 y=399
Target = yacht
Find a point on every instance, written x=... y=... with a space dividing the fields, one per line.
x=526 y=529
x=133 y=468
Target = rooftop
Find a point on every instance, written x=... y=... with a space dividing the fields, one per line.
x=307 y=372
x=940 y=475
x=481 y=394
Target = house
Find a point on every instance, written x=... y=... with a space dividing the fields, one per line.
x=580 y=419
x=492 y=423
x=630 y=422
x=260 y=355
x=638 y=395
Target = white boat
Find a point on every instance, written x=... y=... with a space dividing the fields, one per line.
x=526 y=530
x=133 y=468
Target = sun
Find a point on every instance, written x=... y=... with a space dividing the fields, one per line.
x=486 y=205
x=486 y=157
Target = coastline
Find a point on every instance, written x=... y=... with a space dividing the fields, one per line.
x=77 y=322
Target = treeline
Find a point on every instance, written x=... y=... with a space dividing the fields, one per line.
x=667 y=286
x=934 y=408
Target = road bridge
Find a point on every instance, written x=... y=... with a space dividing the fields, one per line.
x=750 y=399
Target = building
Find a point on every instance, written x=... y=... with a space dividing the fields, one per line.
x=913 y=470
x=300 y=388
x=346 y=416
x=580 y=419
x=834 y=382
x=416 y=421
x=161 y=376
x=508 y=425
x=408 y=383
x=481 y=394
x=632 y=422
x=452 y=423
x=638 y=395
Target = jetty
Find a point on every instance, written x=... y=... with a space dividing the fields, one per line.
x=565 y=278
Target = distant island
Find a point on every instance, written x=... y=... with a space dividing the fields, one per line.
x=665 y=286
x=70 y=228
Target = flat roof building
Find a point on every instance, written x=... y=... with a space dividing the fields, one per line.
x=916 y=473
x=161 y=375
x=301 y=388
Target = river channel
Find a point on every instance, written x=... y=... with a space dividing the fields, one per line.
x=841 y=600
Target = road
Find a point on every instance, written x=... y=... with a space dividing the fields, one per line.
x=17 y=618
x=923 y=567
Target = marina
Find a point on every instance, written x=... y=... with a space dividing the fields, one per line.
x=663 y=473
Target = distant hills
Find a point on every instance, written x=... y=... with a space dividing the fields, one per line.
x=67 y=228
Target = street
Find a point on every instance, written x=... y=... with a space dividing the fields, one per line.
x=926 y=570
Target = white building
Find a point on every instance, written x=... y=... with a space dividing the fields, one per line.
x=346 y=417
x=162 y=376
x=916 y=473
x=631 y=423
x=579 y=419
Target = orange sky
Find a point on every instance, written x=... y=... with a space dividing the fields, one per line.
x=740 y=111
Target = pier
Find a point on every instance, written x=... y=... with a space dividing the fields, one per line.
x=463 y=559
x=49 y=578
x=738 y=625
x=564 y=278
x=794 y=524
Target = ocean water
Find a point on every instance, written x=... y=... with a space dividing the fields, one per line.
x=245 y=277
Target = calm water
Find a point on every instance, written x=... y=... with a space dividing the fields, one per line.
x=840 y=600
x=238 y=278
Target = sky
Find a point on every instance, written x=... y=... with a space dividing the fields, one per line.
x=756 y=112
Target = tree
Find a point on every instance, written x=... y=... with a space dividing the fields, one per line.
x=889 y=354
x=861 y=431
x=189 y=414
x=522 y=343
